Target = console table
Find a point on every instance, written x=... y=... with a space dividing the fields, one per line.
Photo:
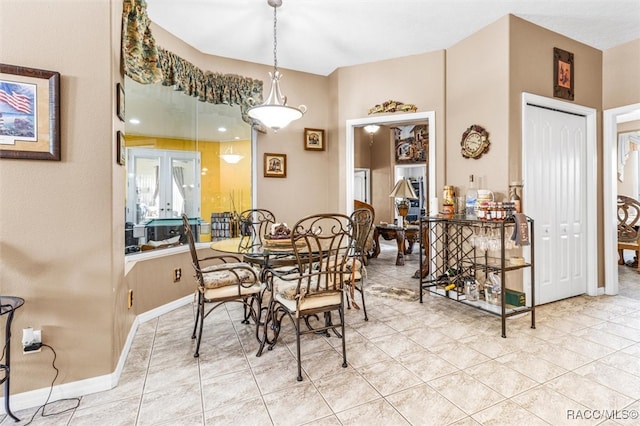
x=8 y=306
x=405 y=238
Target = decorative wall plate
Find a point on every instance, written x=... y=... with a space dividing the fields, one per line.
x=475 y=142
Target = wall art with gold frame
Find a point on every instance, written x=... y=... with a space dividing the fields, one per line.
x=275 y=165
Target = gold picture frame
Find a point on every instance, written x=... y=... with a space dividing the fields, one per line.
x=275 y=165
x=563 y=73
x=314 y=140
x=29 y=113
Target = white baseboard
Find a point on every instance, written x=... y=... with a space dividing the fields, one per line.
x=79 y=388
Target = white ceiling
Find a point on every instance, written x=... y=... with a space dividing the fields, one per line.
x=318 y=36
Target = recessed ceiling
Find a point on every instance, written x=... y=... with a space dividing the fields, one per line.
x=318 y=36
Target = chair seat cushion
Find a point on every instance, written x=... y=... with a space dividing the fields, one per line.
x=217 y=276
x=318 y=300
x=353 y=268
x=231 y=291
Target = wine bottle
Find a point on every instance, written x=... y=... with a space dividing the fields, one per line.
x=471 y=197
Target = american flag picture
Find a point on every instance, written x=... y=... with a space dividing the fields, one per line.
x=17 y=111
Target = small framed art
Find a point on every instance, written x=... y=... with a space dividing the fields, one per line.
x=29 y=113
x=563 y=72
x=120 y=102
x=121 y=155
x=314 y=139
x=275 y=165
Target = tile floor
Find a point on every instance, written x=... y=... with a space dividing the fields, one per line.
x=435 y=363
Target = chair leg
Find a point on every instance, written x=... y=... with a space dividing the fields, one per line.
x=364 y=306
x=298 y=348
x=344 y=343
x=245 y=311
x=201 y=309
x=195 y=325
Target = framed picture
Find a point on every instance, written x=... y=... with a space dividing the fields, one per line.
x=411 y=143
x=275 y=165
x=314 y=139
x=29 y=113
x=121 y=156
x=563 y=72
x=120 y=102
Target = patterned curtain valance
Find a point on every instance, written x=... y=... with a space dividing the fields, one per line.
x=215 y=88
x=147 y=63
x=139 y=52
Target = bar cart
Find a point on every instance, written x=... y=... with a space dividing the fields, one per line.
x=462 y=251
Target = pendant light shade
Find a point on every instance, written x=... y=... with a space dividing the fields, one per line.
x=274 y=112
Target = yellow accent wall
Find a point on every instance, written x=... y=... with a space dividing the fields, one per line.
x=224 y=187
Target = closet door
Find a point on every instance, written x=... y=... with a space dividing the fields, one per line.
x=555 y=197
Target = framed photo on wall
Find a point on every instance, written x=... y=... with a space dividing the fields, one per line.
x=275 y=165
x=120 y=101
x=121 y=156
x=563 y=73
x=411 y=143
x=29 y=113
x=314 y=139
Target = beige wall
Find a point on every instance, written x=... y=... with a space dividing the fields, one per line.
x=478 y=93
x=61 y=223
x=620 y=79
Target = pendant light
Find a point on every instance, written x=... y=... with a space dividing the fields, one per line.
x=230 y=157
x=274 y=112
x=371 y=129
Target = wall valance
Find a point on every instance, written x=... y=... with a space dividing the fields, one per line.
x=146 y=63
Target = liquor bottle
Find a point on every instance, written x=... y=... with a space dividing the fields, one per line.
x=471 y=198
x=514 y=197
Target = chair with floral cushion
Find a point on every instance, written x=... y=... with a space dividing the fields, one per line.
x=362 y=220
x=221 y=279
x=312 y=291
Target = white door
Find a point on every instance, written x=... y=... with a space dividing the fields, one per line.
x=555 y=197
x=361 y=185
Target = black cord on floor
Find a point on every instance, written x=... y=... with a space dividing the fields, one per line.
x=44 y=406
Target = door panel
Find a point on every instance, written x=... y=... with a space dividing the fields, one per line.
x=554 y=177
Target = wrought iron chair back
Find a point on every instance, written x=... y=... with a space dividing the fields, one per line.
x=254 y=225
x=628 y=227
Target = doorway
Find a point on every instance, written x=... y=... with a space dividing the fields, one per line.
x=610 y=191
x=558 y=166
x=362 y=185
x=403 y=119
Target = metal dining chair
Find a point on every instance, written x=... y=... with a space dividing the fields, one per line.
x=313 y=290
x=221 y=279
x=254 y=225
x=356 y=271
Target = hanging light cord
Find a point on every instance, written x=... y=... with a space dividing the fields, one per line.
x=275 y=39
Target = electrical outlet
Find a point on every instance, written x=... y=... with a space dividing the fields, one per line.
x=31 y=340
x=177 y=274
x=130 y=299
